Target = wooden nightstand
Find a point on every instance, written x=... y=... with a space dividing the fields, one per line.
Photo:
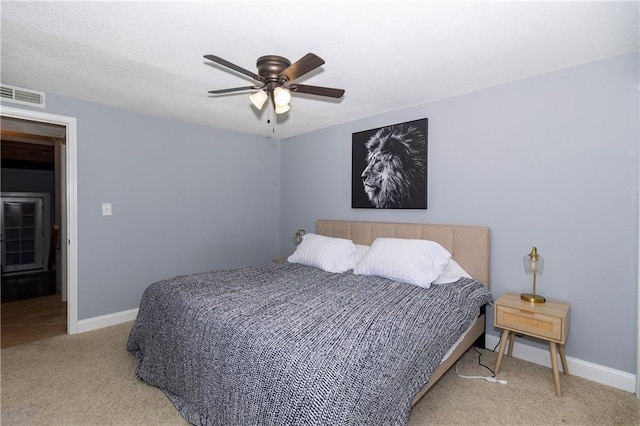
x=547 y=321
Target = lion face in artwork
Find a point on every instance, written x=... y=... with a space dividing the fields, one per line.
x=396 y=163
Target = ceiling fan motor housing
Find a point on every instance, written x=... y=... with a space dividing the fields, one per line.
x=270 y=67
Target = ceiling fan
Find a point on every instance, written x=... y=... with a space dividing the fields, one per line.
x=275 y=75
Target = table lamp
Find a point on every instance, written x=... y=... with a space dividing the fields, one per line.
x=297 y=239
x=533 y=264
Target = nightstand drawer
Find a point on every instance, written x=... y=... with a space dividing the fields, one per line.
x=529 y=322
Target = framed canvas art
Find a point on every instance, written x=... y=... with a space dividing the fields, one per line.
x=389 y=167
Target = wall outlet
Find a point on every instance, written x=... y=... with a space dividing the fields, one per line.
x=106 y=209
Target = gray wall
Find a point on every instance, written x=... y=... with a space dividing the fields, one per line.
x=550 y=161
x=189 y=198
x=186 y=198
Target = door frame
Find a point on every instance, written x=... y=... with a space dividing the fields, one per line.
x=70 y=265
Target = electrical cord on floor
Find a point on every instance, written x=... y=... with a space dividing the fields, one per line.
x=480 y=362
x=491 y=379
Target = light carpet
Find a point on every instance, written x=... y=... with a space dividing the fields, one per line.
x=89 y=379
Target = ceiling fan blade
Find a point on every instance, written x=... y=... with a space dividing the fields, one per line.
x=307 y=63
x=316 y=90
x=233 y=89
x=234 y=67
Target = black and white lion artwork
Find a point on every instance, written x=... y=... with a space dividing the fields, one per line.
x=395 y=167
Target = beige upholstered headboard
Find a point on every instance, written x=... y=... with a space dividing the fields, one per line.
x=468 y=245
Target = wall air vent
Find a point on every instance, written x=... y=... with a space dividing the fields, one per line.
x=20 y=95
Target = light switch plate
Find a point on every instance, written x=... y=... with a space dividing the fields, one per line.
x=106 y=209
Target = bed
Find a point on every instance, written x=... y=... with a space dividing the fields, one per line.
x=286 y=343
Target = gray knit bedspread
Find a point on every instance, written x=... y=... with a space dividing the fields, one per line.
x=285 y=344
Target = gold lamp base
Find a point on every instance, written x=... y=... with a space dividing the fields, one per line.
x=532 y=298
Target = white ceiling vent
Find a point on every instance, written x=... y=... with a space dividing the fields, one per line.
x=20 y=95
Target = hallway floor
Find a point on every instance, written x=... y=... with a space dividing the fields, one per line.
x=27 y=320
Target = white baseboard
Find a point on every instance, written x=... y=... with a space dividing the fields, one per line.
x=108 y=320
x=577 y=367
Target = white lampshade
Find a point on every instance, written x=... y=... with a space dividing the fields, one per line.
x=259 y=98
x=281 y=96
x=281 y=109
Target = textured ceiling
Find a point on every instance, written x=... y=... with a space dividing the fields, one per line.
x=148 y=56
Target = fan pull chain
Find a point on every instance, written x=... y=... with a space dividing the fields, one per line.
x=270 y=120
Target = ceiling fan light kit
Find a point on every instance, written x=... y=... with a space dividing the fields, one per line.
x=281 y=109
x=259 y=98
x=281 y=96
x=275 y=73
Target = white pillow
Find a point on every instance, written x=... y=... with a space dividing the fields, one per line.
x=327 y=253
x=451 y=273
x=361 y=251
x=417 y=262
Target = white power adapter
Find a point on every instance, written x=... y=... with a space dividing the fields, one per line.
x=494 y=380
x=488 y=379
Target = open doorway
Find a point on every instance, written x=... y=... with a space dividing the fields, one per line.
x=45 y=266
x=33 y=301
